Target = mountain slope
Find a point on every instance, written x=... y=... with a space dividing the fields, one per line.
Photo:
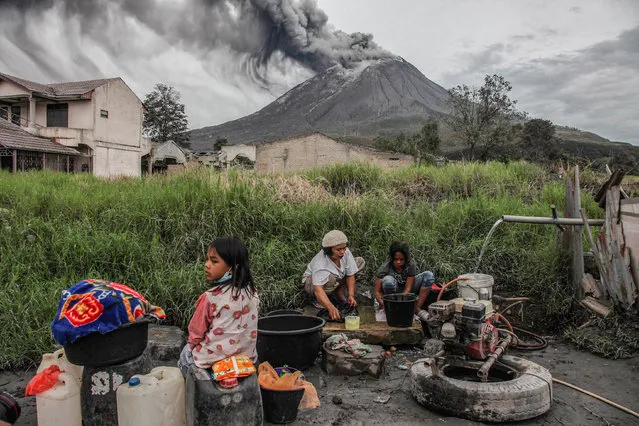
x=376 y=96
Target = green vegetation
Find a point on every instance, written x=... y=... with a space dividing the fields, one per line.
x=152 y=234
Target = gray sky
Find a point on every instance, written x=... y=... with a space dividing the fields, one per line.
x=575 y=62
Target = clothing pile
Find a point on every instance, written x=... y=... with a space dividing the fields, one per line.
x=98 y=306
x=354 y=346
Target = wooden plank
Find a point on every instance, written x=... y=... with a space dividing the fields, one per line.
x=615 y=179
x=589 y=286
x=595 y=306
x=621 y=285
x=634 y=270
x=599 y=257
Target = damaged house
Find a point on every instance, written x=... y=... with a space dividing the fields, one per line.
x=92 y=126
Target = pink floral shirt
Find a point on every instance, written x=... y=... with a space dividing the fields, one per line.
x=223 y=325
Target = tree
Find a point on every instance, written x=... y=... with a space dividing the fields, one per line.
x=481 y=116
x=219 y=143
x=538 y=140
x=427 y=140
x=165 y=118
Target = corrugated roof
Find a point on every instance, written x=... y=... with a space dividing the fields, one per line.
x=59 y=89
x=13 y=137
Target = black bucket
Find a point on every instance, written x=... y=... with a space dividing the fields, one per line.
x=283 y=312
x=122 y=344
x=280 y=406
x=400 y=309
x=292 y=340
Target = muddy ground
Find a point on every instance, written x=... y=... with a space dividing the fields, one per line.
x=615 y=380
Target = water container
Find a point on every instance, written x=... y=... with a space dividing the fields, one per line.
x=400 y=309
x=471 y=288
x=60 y=405
x=154 y=399
x=59 y=358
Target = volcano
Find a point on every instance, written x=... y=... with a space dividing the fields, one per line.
x=375 y=97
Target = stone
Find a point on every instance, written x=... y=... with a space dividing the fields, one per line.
x=165 y=342
x=338 y=362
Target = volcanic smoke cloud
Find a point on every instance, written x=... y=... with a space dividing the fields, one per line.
x=255 y=29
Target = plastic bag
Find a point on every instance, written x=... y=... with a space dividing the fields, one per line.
x=235 y=366
x=43 y=381
x=268 y=378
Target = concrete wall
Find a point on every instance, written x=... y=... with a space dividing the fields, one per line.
x=233 y=151
x=124 y=125
x=109 y=161
x=318 y=150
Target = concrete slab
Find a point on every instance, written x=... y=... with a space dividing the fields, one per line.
x=165 y=342
x=373 y=332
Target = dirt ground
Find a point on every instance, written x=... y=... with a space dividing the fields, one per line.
x=351 y=400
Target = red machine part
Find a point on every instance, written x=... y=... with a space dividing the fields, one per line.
x=480 y=349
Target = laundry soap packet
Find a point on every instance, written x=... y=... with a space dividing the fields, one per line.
x=234 y=366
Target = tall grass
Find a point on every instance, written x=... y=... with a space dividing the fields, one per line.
x=152 y=234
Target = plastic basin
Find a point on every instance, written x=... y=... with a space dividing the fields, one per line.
x=292 y=340
x=400 y=309
x=119 y=345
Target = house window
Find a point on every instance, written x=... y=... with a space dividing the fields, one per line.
x=15 y=115
x=4 y=111
x=104 y=113
x=58 y=115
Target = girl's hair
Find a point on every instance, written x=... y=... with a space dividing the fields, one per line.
x=328 y=251
x=397 y=246
x=233 y=251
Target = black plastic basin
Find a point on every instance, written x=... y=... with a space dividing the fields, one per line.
x=122 y=344
x=283 y=312
x=400 y=309
x=292 y=340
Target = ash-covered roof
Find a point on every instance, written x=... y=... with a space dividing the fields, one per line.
x=74 y=88
x=13 y=137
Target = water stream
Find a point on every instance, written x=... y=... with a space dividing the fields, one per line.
x=490 y=233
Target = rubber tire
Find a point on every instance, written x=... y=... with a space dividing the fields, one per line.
x=526 y=396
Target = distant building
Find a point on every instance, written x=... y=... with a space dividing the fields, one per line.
x=315 y=150
x=167 y=157
x=99 y=121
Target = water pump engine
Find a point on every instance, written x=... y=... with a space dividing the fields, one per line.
x=462 y=324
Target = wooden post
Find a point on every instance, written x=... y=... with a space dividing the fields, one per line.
x=44 y=160
x=15 y=161
x=572 y=237
x=577 y=245
x=68 y=164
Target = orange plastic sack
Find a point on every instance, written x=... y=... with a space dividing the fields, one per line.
x=268 y=378
x=235 y=366
x=43 y=381
x=309 y=399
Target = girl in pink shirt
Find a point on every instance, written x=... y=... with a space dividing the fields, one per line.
x=225 y=318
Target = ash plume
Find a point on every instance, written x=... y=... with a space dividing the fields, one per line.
x=252 y=30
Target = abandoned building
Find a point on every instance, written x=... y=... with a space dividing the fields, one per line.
x=93 y=126
x=316 y=150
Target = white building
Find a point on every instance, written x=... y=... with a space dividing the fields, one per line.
x=100 y=119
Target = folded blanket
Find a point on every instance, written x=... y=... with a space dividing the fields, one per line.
x=98 y=306
x=354 y=346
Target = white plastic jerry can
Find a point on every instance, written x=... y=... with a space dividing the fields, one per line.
x=154 y=399
x=59 y=358
x=60 y=405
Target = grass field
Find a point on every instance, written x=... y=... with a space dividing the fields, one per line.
x=152 y=234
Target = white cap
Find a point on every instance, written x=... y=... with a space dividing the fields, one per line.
x=334 y=238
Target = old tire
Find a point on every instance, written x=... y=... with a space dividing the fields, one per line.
x=527 y=395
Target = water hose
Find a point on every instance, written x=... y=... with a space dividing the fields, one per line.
x=445 y=286
x=600 y=398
